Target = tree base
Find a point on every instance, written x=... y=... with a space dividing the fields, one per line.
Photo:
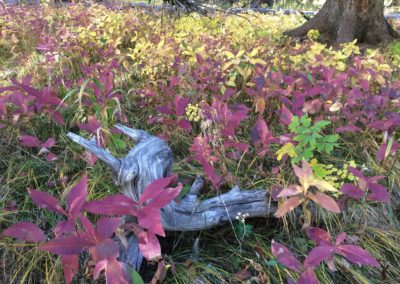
x=341 y=21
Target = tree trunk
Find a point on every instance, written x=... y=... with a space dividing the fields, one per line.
x=343 y=21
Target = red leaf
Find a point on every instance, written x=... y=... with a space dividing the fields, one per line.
x=263 y=132
x=288 y=206
x=180 y=105
x=285 y=256
x=149 y=218
x=352 y=191
x=318 y=254
x=64 y=227
x=90 y=233
x=199 y=59
x=356 y=173
x=149 y=245
x=105 y=249
x=275 y=190
x=164 y=109
x=70 y=265
x=304 y=172
x=160 y=274
x=319 y=236
x=286 y=116
x=356 y=255
x=107 y=226
x=49 y=143
x=166 y=197
x=209 y=170
x=348 y=128
x=156 y=188
x=174 y=80
x=57 y=117
x=340 y=238
x=378 y=193
x=288 y=191
x=115 y=273
x=77 y=196
x=67 y=245
x=308 y=277
x=29 y=141
x=184 y=124
x=91 y=126
x=90 y=158
x=325 y=201
x=380 y=155
x=374 y=179
x=51 y=157
x=100 y=266
x=25 y=231
x=45 y=200
x=112 y=205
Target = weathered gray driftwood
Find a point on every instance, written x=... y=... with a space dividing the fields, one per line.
x=151 y=159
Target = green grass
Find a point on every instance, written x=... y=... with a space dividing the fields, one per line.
x=220 y=255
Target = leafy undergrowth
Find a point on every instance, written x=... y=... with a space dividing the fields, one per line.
x=239 y=104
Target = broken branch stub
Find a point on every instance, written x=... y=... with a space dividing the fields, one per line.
x=150 y=159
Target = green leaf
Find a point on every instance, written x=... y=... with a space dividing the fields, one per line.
x=305 y=120
x=271 y=262
x=310 y=78
x=243 y=230
x=328 y=148
x=389 y=146
x=184 y=191
x=308 y=154
x=294 y=124
x=316 y=136
x=309 y=139
x=118 y=143
x=322 y=124
x=97 y=109
x=300 y=130
x=331 y=138
x=297 y=158
x=299 y=138
x=136 y=278
x=319 y=171
x=302 y=243
x=313 y=143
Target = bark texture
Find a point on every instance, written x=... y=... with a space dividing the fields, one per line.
x=343 y=21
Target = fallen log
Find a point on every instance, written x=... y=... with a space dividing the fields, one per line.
x=150 y=159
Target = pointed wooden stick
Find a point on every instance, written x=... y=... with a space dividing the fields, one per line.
x=101 y=153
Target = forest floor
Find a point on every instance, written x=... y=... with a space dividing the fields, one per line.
x=238 y=103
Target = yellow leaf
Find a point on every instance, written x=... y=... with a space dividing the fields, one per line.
x=239 y=54
x=323 y=185
x=126 y=64
x=313 y=162
x=260 y=105
x=287 y=149
x=257 y=61
x=335 y=107
x=254 y=52
x=229 y=54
